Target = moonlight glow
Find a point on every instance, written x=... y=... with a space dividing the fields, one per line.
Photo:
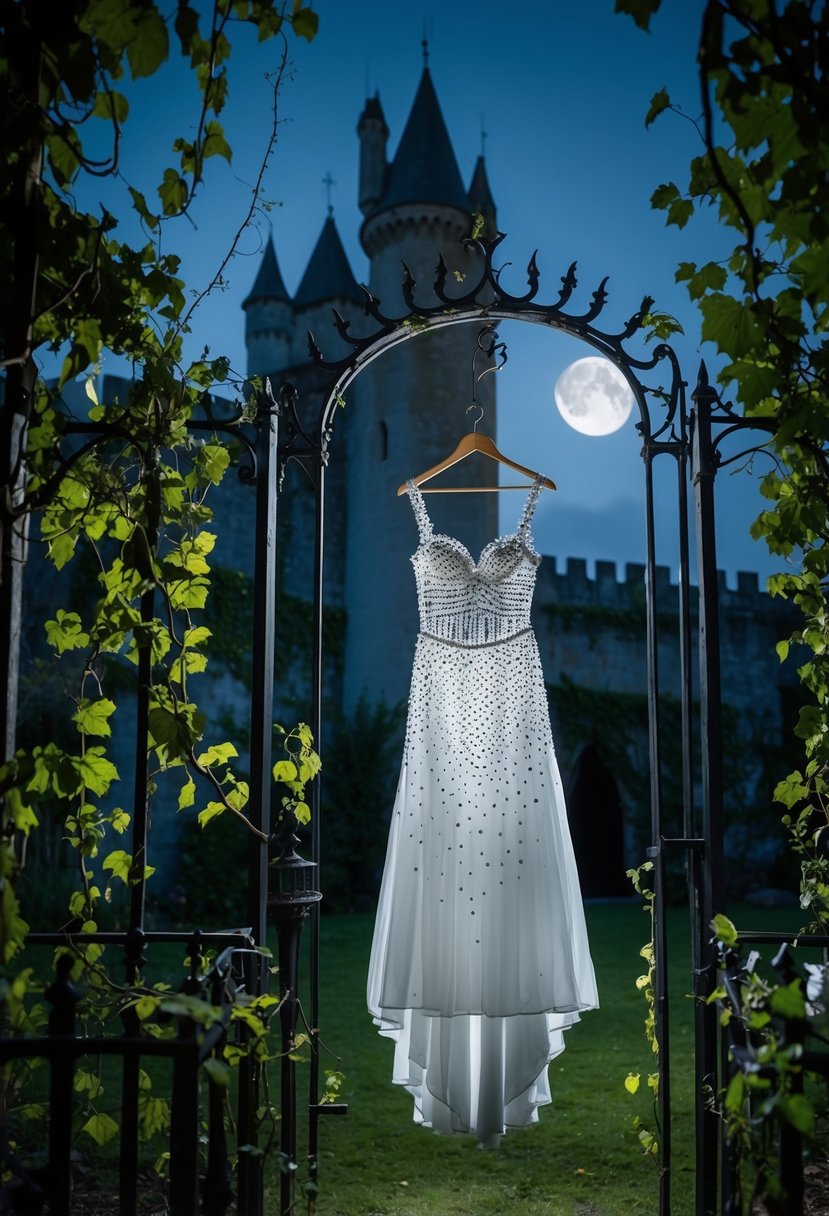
x=593 y=396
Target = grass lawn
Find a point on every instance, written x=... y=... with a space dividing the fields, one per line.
x=583 y=1159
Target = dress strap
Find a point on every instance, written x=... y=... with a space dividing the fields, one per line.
x=424 y=523
x=529 y=505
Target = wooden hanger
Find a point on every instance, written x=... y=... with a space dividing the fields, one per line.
x=474 y=442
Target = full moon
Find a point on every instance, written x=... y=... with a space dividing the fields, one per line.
x=593 y=396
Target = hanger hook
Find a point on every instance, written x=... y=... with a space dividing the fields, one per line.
x=476 y=405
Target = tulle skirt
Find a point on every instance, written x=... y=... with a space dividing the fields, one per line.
x=480 y=958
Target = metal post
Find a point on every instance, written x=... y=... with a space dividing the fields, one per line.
x=704 y=465
x=63 y=997
x=15 y=410
x=290 y=905
x=316 y=828
x=250 y=1170
x=656 y=853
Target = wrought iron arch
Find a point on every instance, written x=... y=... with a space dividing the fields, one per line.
x=488 y=301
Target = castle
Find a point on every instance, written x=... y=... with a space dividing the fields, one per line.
x=403 y=414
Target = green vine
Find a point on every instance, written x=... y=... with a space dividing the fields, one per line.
x=126 y=502
x=645 y=984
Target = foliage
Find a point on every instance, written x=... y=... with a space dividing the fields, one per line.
x=763 y=169
x=645 y=984
x=126 y=487
x=769 y=1022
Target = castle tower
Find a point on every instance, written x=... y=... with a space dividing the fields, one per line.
x=268 y=318
x=405 y=412
x=410 y=407
x=373 y=134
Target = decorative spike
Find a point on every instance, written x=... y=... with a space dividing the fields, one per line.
x=600 y=292
x=440 y=278
x=532 y=274
x=368 y=299
x=342 y=327
x=637 y=319
x=569 y=283
x=702 y=374
x=314 y=352
x=599 y=299
x=408 y=287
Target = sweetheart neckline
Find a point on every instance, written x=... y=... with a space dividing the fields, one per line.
x=455 y=543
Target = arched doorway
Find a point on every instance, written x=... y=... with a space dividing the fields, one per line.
x=594 y=810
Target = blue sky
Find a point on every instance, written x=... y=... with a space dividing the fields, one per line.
x=562 y=90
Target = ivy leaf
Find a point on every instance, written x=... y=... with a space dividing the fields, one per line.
x=111 y=105
x=95 y=771
x=217 y=753
x=101 y=1128
x=91 y=717
x=122 y=865
x=153 y=1115
x=118 y=863
x=213 y=461
x=215 y=143
x=210 y=812
x=302 y=812
x=196 y=635
x=659 y=102
x=187 y=795
x=218 y=1071
x=664 y=195
x=120 y=821
x=724 y=930
x=736 y=1093
x=148 y=49
x=172 y=192
x=798 y=1111
x=640 y=10
x=139 y=202
x=632 y=1082
x=788 y=1001
x=284 y=770
x=305 y=22
x=731 y=325
x=65 y=632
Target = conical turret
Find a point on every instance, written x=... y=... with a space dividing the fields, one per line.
x=268 y=318
x=328 y=276
x=481 y=201
x=424 y=169
x=373 y=134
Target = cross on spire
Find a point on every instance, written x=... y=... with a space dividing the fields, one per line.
x=328 y=182
x=483 y=137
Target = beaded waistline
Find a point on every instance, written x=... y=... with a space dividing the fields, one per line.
x=475 y=645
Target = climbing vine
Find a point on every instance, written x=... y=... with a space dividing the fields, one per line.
x=124 y=489
x=763 y=167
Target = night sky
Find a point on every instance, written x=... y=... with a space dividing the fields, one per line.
x=561 y=91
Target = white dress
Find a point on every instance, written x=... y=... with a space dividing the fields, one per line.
x=480 y=958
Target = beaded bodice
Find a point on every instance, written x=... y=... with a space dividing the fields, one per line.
x=469 y=603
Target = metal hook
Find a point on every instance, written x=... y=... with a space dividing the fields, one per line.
x=476 y=405
x=487 y=344
x=495 y=348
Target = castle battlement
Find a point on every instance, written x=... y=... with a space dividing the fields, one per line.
x=567 y=581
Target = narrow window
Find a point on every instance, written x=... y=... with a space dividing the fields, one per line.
x=382 y=441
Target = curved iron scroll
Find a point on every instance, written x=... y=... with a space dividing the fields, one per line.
x=488 y=299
